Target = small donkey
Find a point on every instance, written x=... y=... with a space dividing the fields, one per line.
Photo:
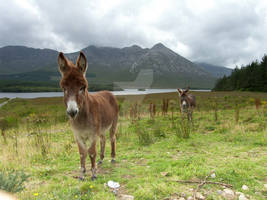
x=90 y=114
x=187 y=103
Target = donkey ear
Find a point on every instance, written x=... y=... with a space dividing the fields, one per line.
x=62 y=63
x=179 y=91
x=81 y=63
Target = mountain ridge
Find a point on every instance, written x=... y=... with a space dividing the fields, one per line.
x=106 y=65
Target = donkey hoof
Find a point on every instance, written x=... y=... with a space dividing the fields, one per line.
x=99 y=162
x=113 y=161
x=81 y=178
x=93 y=178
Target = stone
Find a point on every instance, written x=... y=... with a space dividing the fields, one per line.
x=228 y=194
x=183 y=194
x=164 y=173
x=126 y=197
x=242 y=197
x=190 y=198
x=265 y=186
x=220 y=192
x=199 y=196
x=244 y=187
x=181 y=198
x=257 y=193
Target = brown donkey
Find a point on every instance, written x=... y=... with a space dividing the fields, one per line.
x=90 y=114
x=187 y=103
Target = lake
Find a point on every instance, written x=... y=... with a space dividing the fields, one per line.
x=26 y=95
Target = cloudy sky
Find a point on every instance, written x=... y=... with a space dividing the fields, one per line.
x=222 y=32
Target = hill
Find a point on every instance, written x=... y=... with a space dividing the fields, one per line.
x=106 y=65
x=215 y=70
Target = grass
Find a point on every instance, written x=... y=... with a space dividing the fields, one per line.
x=2 y=100
x=40 y=142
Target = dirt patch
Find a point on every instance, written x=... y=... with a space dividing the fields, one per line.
x=100 y=171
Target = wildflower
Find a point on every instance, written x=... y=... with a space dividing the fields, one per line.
x=36 y=194
x=91 y=186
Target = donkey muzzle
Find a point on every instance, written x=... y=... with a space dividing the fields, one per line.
x=72 y=108
x=72 y=113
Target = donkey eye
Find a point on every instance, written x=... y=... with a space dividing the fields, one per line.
x=82 y=89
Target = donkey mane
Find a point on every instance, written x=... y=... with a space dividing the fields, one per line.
x=73 y=77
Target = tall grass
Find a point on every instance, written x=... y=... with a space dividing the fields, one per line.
x=147 y=144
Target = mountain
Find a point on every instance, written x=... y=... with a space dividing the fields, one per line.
x=106 y=65
x=215 y=70
x=19 y=59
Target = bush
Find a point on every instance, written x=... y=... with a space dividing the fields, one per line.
x=143 y=132
x=183 y=129
x=12 y=181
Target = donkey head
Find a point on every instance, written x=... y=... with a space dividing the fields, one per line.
x=73 y=82
x=184 y=98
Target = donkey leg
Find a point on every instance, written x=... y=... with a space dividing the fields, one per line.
x=83 y=154
x=92 y=153
x=102 y=148
x=113 y=140
x=190 y=116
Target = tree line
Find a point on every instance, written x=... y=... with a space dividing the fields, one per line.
x=252 y=77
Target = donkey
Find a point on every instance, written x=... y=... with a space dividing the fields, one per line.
x=187 y=103
x=90 y=114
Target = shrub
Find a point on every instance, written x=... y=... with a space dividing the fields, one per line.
x=143 y=132
x=184 y=129
x=12 y=181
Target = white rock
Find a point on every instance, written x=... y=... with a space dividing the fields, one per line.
x=257 y=193
x=242 y=197
x=228 y=194
x=181 y=198
x=199 y=196
x=213 y=175
x=238 y=193
x=183 y=194
x=220 y=192
x=244 y=187
x=126 y=197
x=190 y=198
x=265 y=186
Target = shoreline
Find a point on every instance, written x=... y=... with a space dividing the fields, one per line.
x=126 y=92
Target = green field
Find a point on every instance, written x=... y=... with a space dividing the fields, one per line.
x=228 y=136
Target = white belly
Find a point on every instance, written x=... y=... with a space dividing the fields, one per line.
x=84 y=137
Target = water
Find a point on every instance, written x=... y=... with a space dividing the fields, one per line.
x=25 y=95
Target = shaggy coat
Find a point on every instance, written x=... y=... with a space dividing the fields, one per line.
x=90 y=114
x=187 y=103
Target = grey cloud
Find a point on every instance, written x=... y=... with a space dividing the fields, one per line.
x=227 y=33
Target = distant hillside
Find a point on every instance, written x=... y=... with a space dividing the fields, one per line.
x=106 y=65
x=252 y=77
x=215 y=70
x=20 y=59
